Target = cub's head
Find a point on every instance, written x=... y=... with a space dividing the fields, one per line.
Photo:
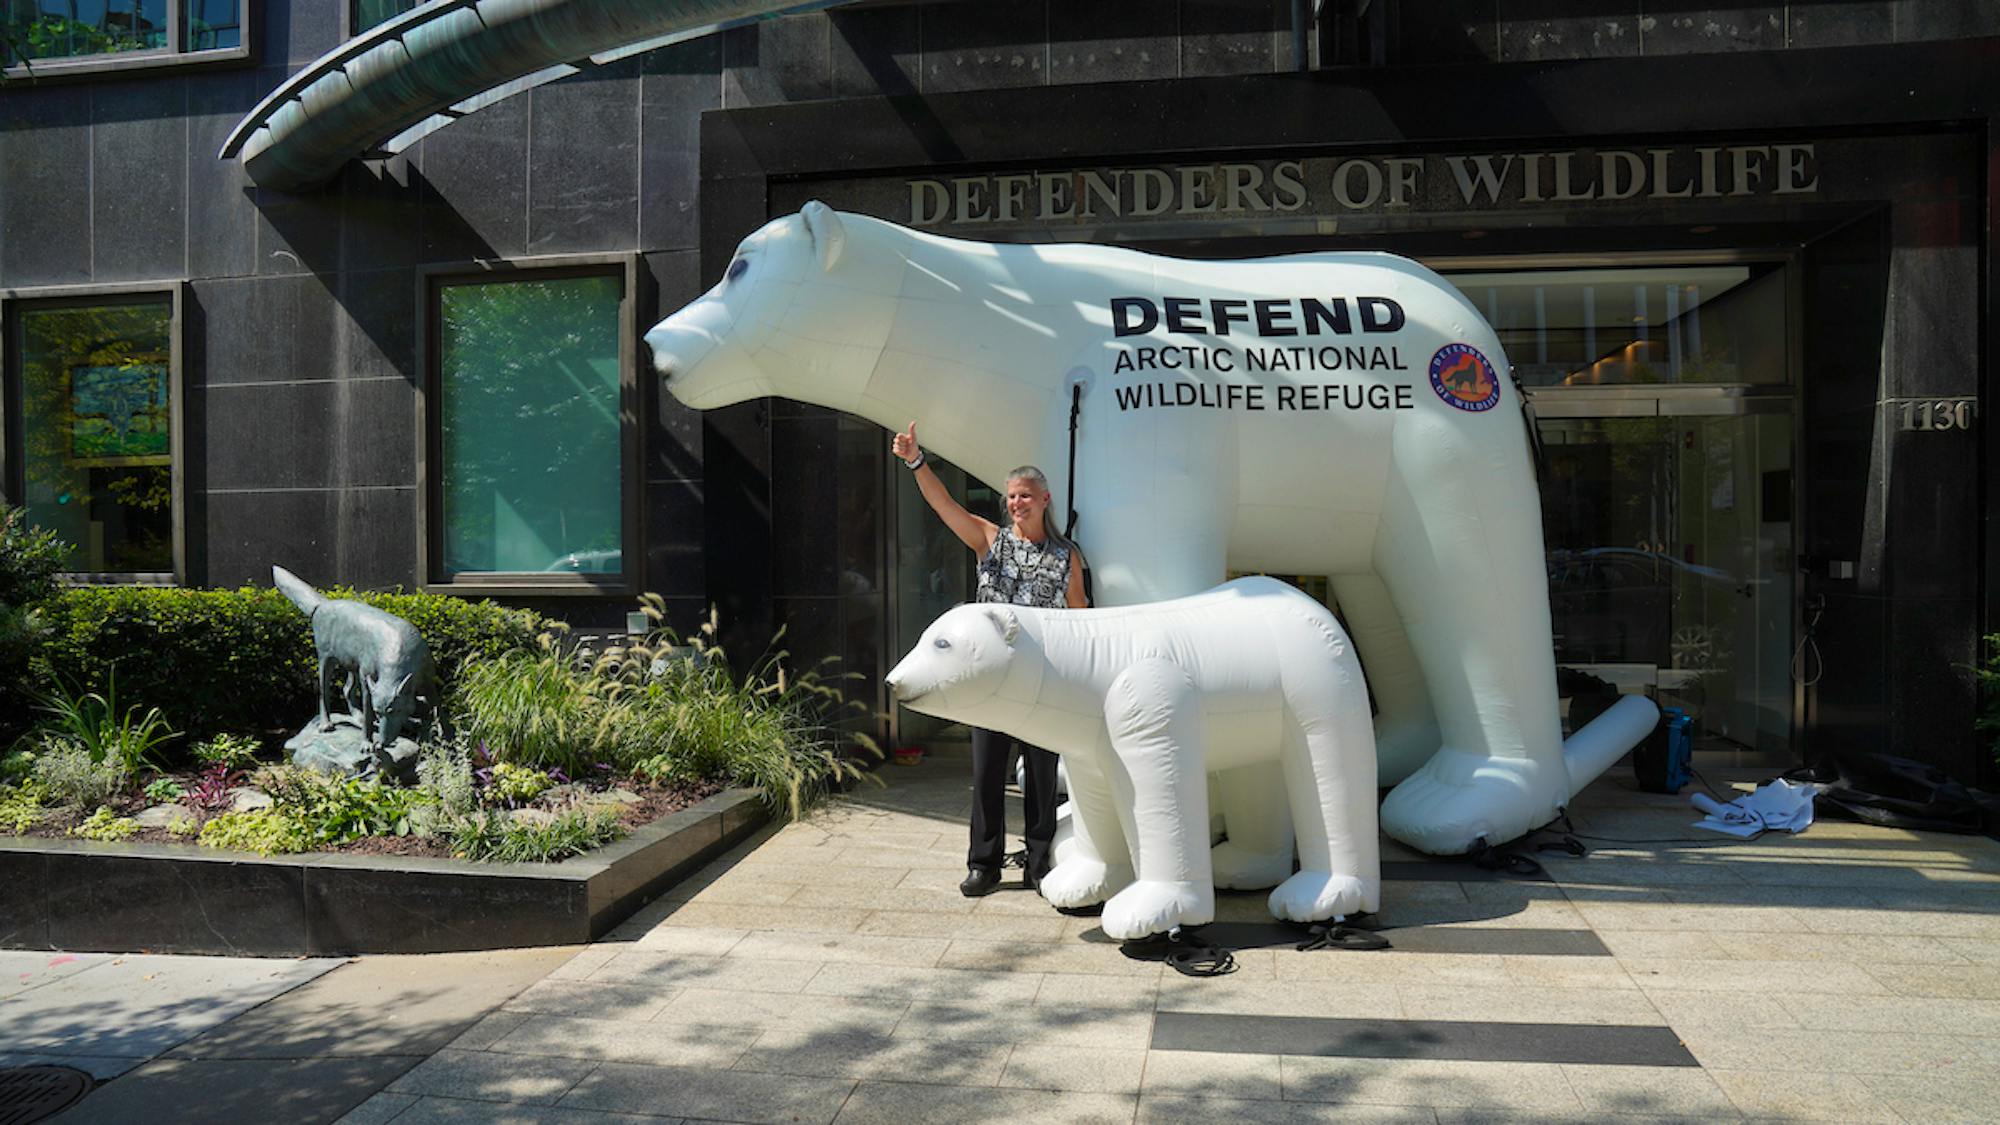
x=801 y=312
x=959 y=663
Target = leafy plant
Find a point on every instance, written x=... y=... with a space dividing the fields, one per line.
x=236 y=751
x=106 y=825
x=16 y=765
x=29 y=563
x=514 y=785
x=162 y=790
x=335 y=810
x=93 y=720
x=183 y=826
x=543 y=708
x=1987 y=677
x=21 y=806
x=264 y=831
x=69 y=776
x=210 y=792
x=497 y=837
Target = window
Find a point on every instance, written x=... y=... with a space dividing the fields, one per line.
x=367 y=14
x=93 y=400
x=533 y=406
x=46 y=37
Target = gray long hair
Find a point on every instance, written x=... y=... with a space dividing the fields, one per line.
x=1039 y=479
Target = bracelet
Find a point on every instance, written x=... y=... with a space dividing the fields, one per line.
x=917 y=463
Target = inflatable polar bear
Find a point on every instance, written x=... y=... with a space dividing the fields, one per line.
x=1338 y=414
x=1143 y=700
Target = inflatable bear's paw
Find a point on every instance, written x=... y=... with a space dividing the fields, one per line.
x=1458 y=799
x=1147 y=908
x=1063 y=845
x=1315 y=896
x=1237 y=868
x=1081 y=881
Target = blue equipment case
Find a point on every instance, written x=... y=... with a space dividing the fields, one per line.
x=1664 y=762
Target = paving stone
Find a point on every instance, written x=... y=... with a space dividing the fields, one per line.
x=1093 y=1070
x=691 y=940
x=1213 y=1074
x=1922 y=1015
x=838 y=1054
x=1132 y=994
x=1396 y=967
x=484 y=1076
x=673 y=970
x=101 y=1067
x=588 y=960
x=978 y=927
x=656 y=1044
x=1529 y=1086
x=24 y=969
x=1766 y=976
x=858 y=899
x=1171 y=1109
x=720 y=918
x=452 y=1111
x=771 y=1010
x=1969 y=982
x=491 y=1028
x=837 y=878
x=378 y=1109
x=886 y=1103
x=1931 y=1097
x=897 y=981
x=1670 y=945
x=175 y=1091
x=1525 y=1004
x=723 y=1095
x=591 y=1000
x=1808 y=1095
x=140 y=1005
x=1365 y=1000
x=1028 y=957
x=1656 y=1090
x=1841 y=1052
x=1036 y=1023
x=1650 y=916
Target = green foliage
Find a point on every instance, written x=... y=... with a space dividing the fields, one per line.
x=235 y=751
x=1987 y=678
x=16 y=765
x=21 y=806
x=93 y=720
x=331 y=810
x=70 y=776
x=496 y=837
x=162 y=790
x=517 y=785
x=229 y=661
x=106 y=825
x=29 y=563
x=264 y=831
x=543 y=709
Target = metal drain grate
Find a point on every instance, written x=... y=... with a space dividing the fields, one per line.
x=36 y=1093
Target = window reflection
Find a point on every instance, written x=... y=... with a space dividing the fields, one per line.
x=371 y=13
x=50 y=29
x=529 y=393
x=1682 y=324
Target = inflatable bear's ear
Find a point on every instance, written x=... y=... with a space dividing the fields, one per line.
x=829 y=238
x=1005 y=621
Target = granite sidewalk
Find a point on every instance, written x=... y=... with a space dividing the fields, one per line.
x=830 y=971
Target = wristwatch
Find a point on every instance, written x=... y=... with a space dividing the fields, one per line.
x=916 y=462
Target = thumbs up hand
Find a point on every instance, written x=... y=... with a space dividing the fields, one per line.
x=905 y=444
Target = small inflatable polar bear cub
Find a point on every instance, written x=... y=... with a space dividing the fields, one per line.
x=1149 y=698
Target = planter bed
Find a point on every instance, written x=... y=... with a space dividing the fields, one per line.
x=165 y=898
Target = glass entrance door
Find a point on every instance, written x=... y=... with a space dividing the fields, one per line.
x=1664 y=408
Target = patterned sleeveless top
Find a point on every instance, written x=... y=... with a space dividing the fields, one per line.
x=1018 y=572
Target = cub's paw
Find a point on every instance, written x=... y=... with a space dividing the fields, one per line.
x=1458 y=799
x=1237 y=868
x=1315 y=896
x=1081 y=881
x=1147 y=908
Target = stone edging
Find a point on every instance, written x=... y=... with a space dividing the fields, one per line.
x=88 y=896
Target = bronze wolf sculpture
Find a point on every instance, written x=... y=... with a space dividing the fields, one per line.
x=388 y=660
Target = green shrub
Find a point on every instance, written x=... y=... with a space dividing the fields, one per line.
x=264 y=831
x=21 y=806
x=69 y=776
x=94 y=721
x=517 y=785
x=29 y=563
x=331 y=810
x=16 y=765
x=106 y=825
x=164 y=790
x=498 y=838
x=543 y=709
x=235 y=751
x=229 y=661
x=1987 y=678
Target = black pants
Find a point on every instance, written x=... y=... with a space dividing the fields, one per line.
x=991 y=752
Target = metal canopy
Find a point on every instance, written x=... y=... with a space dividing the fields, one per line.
x=382 y=91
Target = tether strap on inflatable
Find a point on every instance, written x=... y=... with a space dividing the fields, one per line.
x=1333 y=935
x=1075 y=411
x=1528 y=420
x=1183 y=950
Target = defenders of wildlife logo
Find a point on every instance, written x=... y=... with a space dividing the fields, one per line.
x=1463 y=378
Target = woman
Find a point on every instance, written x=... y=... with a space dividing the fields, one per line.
x=1024 y=563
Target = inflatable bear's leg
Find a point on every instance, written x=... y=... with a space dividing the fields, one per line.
x=1258 y=853
x=1406 y=729
x=1461 y=552
x=1329 y=761
x=1153 y=715
x=1095 y=862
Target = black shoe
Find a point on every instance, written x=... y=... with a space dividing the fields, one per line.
x=979 y=881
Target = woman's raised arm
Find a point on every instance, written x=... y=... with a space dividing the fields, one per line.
x=971 y=530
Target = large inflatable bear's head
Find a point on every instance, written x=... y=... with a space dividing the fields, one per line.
x=784 y=319
x=959 y=663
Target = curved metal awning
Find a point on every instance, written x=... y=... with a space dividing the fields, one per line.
x=384 y=90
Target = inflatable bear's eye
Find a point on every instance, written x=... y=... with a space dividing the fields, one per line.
x=736 y=268
x=941 y=643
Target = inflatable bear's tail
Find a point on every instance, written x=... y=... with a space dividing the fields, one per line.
x=295 y=588
x=1605 y=739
